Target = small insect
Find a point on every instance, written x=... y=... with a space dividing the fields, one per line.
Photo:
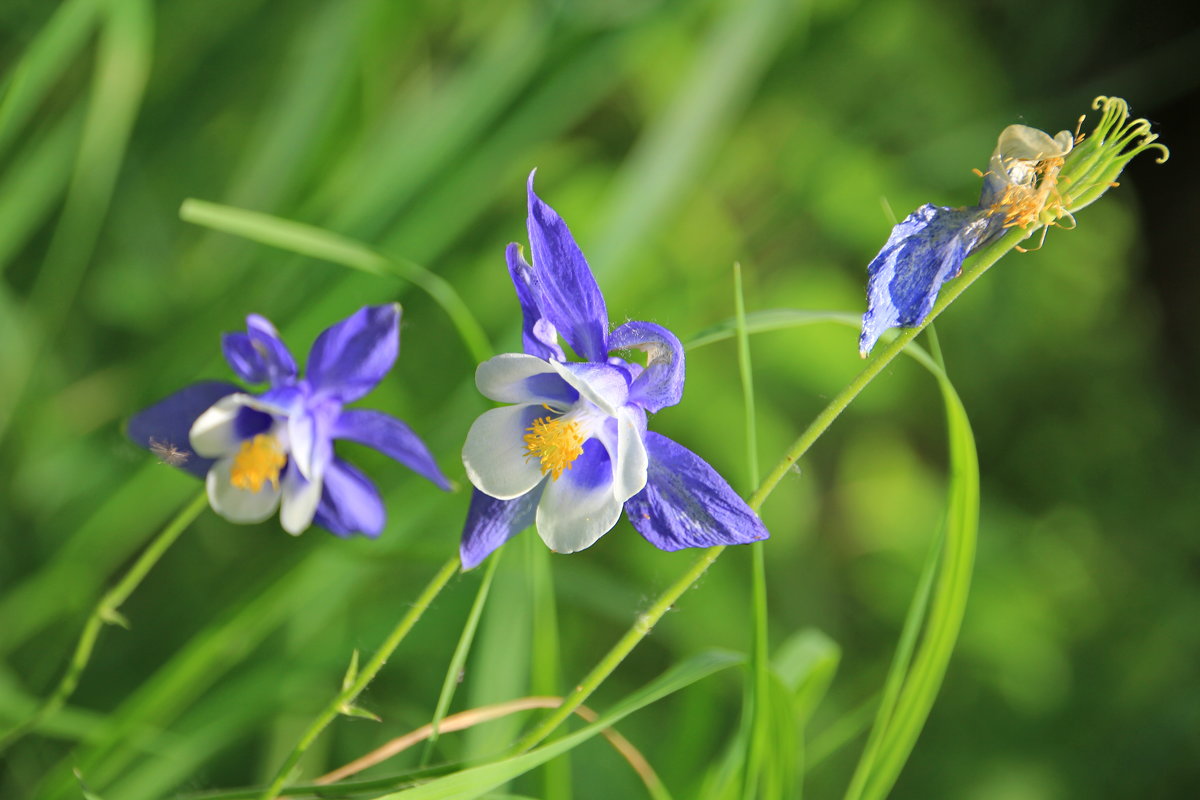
x=169 y=454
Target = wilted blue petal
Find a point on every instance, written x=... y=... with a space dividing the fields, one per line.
x=350 y=503
x=163 y=428
x=569 y=296
x=924 y=251
x=349 y=358
x=687 y=504
x=538 y=335
x=391 y=437
x=660 y=384
x=491 y=523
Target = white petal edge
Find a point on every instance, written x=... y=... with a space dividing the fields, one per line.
x=593 y=394
x=502 y=378
x=631 y=462
x=302 y=438
x=234 y=504
x=570 y=518
x=495 y=457
x=213 y=434
x=299 y=503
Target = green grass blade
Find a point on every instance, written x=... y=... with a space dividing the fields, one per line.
x=759 y=697
x=122 y=70
x=34 y=183
x=48 y=57
x=773 y=319
x=898 y=671
x=667 y=159
x=545 y=657
x=948 y=605
x=314 y=242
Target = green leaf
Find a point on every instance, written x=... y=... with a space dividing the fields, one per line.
x=111 y=616
x=351 y=671
x=358 y=711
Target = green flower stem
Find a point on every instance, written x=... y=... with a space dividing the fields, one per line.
x=106 y=612
x=344 y=701
x=646 y=621
x=459 y=659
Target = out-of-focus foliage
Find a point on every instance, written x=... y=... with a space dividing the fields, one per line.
x=675 y=137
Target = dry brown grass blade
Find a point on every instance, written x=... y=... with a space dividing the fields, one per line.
x=475 y=716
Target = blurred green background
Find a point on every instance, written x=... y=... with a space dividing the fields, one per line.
x=675 y=138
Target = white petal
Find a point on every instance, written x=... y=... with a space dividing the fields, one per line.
x=299 y=503
x=601 y=385
x=629 y=475
x=234 y=504
x=495 y=456
x=1065 y=141
x=302 y=437
x=572 y=516
x=213 y=433
x=503 y=377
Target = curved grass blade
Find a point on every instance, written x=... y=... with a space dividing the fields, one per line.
x=315 y=242
x=953 y=583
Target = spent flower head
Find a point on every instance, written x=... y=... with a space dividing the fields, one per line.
x=274 y=450
x=572 y=451
x=1033 y=180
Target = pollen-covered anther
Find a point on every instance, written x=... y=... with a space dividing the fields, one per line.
x=258 y=461
x=555 y=442
x=1023 y=203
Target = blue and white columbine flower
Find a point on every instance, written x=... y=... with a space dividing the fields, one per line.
x=572 y=450
x=929 y=246
x=260 y=452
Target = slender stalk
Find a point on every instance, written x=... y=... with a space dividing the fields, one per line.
x=106 y=612
x=646 y=621
x=450 y=682
x=345 y=699
x=757 y=707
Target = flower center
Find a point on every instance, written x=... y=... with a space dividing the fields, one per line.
x=556 y=441
x=1023 y=202
x=259 y=460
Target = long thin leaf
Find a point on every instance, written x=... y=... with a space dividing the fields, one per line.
x=311 y=241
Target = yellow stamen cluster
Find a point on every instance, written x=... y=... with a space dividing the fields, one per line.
x=1023 y=203
x=557 y=443
x=258 y=461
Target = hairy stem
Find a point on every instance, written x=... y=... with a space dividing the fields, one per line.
x=106 y=612
x=345 y=699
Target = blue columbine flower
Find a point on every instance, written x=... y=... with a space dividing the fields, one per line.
x=259 y=452
x=929 y=246
x=572 y=449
